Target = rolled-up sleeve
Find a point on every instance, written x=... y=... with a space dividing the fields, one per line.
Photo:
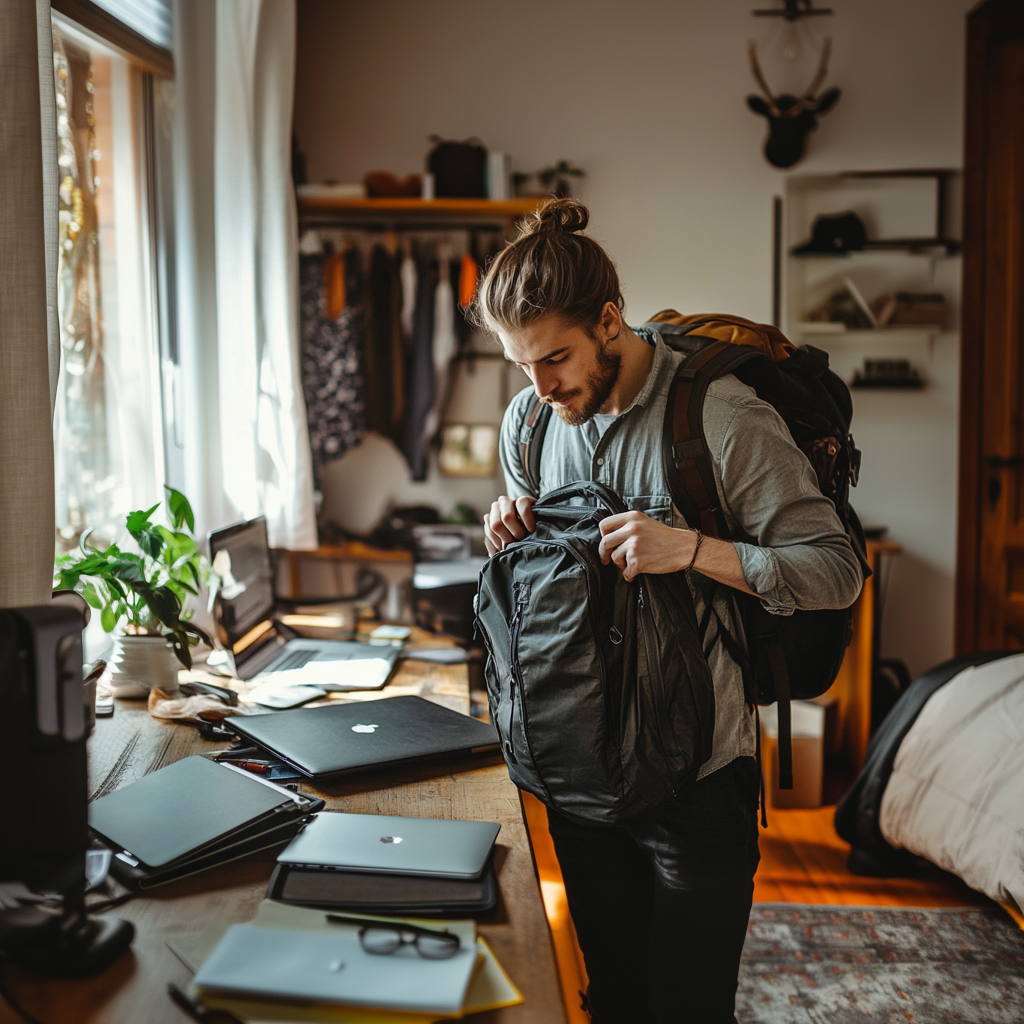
x=802 y=558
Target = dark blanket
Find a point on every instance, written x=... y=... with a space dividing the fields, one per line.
x=858 y=813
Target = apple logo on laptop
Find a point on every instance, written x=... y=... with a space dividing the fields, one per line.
x=365 y=728
x=390 y=839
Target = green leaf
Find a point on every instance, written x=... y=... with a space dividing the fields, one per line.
x=150 y=542
x=138 y=521
x=181 y=510
x=127 y=568
x=90 y=594
x=107 y=619
x=161 y=601
x=66 y=579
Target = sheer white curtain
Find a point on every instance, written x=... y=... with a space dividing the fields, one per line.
x=246 y=448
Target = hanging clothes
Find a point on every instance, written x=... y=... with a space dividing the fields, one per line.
x=398 y=371
x=421 y=369
x=378 y=350
x=408 y=284
x=332 y=374
x=468 y=277
x=334 y=285
x=446 y=345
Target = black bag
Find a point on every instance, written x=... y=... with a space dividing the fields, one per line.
x=786 y=657
x=602 y=698
x=459 y=169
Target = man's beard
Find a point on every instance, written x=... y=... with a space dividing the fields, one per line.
x=599 y=387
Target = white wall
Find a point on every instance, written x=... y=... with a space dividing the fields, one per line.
x=648 y=97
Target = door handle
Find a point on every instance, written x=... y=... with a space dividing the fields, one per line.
x=1005 y=462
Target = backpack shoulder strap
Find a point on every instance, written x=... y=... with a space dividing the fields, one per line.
x=686 y=456
x=531 y=441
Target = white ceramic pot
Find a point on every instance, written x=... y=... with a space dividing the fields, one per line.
x=140 y=664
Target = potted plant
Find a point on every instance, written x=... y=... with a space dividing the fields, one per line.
x=145 y=594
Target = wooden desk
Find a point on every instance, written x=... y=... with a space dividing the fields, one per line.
x=133 y=991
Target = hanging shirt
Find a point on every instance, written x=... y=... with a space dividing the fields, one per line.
x=379 y=349
x=332 y=374
x=420 y=393
x=408 y=279
x=446 y=344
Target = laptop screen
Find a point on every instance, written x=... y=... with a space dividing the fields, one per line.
x=241 y=556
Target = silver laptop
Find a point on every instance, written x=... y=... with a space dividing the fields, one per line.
x=333 y=841
x=258 y=645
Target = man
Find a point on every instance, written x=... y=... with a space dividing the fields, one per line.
x=660 y=905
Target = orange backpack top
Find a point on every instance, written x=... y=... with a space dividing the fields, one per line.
x=732 y=329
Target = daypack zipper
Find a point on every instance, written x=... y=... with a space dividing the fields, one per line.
x=654 y=666
x=516 y=675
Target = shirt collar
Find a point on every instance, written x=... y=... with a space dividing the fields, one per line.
x=659 y=366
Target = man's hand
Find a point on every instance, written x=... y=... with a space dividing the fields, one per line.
x=636 y=543
x=507 y=521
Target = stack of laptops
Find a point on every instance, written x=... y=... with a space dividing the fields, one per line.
x=389 y=865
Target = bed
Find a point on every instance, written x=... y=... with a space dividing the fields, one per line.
x=944 y=779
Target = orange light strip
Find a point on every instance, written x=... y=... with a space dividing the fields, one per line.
x=252 y=636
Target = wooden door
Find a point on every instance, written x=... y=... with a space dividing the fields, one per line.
x=990 y=557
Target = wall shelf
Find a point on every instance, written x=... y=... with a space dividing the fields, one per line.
x=404 y=206
x=884 y=334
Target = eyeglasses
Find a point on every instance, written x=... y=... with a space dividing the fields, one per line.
x=382 y=939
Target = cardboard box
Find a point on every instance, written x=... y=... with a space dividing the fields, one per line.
x=808 y=728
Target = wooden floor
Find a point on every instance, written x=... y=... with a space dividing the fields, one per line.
x=803 y=860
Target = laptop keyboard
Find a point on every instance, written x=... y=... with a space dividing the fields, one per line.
x=294 y=659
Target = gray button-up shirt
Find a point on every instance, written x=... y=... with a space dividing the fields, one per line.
x=799 y=557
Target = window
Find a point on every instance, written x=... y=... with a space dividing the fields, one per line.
x=108 y=434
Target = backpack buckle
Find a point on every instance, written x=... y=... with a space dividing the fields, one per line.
x=854 y=462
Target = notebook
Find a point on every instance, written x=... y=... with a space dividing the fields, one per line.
x=352 y=737
x=192 y=815
x=333 y=841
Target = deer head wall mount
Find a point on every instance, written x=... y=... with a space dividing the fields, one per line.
x=790 y=118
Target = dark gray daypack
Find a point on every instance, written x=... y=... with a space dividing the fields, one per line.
x=599 y=690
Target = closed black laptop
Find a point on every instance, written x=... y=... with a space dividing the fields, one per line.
x=351 y=737
x=191 y=815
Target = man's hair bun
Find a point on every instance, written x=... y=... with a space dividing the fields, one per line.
x=551 y=269
x=559 y=216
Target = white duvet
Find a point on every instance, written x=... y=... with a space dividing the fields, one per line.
x=956 y=794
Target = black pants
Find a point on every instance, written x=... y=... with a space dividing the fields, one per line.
x=661 y=905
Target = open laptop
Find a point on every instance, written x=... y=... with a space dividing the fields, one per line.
x=435 y=847
x=259 y=646
x=351 y=737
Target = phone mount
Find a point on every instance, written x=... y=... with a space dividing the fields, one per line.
x=46 y=828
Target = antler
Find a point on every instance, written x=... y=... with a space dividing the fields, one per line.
x=755 y=69
x=819 y=76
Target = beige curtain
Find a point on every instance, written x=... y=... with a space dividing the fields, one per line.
x=26 y=291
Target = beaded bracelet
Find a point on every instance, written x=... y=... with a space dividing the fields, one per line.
x=700 y=540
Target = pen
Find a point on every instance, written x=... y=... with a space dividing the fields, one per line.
x=195 y=1009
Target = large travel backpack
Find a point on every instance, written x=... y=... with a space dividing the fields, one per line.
x=600 y=693
x=789 y=657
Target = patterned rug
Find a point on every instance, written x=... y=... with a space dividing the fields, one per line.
x=880 y=965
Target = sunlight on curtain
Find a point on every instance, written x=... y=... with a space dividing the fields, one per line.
x=107 y=432
x=246 y=446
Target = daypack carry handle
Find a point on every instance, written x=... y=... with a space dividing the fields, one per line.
x=592 y=492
